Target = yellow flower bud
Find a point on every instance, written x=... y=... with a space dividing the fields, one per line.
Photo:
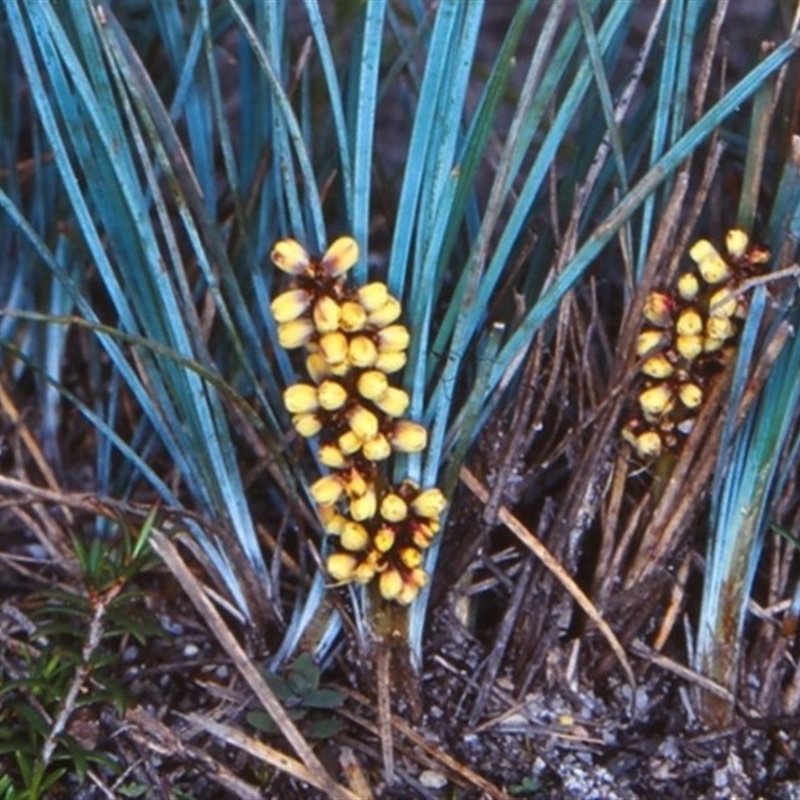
x=386 y=314
x=711 y=345
x=689 y=323
x=393 y=508
x=340 y=256
x=722 y=304
x=372 y=384
x=658 y=309
x=317 y=367
x=354 y=537
x=688 y=286
x=373 y=296
x=332 y=521
x=362 y=352
x=301 y=398
x=417 y=577
x=656 y=401
x=648 y=341
x=691 y=395
x=408 y=437
x=334 y=347
x=331 y=395
x=391 y=362
x=690 y=347
x=718 y=328
x=331 y=456
x=384 y=539
x=307 y=425
x=377 y=448
x=429 y=503
x=349 y=443
x=364 y=572
x=290 y=305
x=422 y=535
x=355 y=484
x=327 y=490
x=701 y=249
x=736 y=241
x=658 y=367
x=290 y=256
x=362 y=422
x=354 y=318
x=364 y=507
x=341 y=566
x=410 y=557
x=714 y=269
x=326 y=314
x=295 y=333
x=393 y=339
x=393 y=402
x=408 y=594
x=390 y=583
x=648 y=444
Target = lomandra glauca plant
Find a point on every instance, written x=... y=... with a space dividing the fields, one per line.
x=353 y=344
x=685 y=332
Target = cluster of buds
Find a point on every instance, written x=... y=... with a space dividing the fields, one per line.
x=353 y=342
x=684 y=333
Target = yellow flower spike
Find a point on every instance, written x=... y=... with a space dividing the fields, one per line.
x=736 y=241
x=393 y=339
x=714 y=269
x=332 y=521
x=331 y=395
x=295 y=333
x=362 y=422
x=648 y=341
x=290 y=256
x=384 y=539
x=327 y=490
x=391 y=362
x=373 y=296
x=429 y=503
x=377 y=448
x=307 y=425
x=394 y=508
x=341 y=256
x=410 y=557
x=719 y=328
x=658 y=367
x=301 y=398
x=390 y=583
x=386 y=314
x=364 y=507
x=691 y=395
x=354 y=537
x=656 y=401
x=354 y=318
x=364 y=572
x=690 y=347
x=290 y=305
x=648 y=444
x=350 y=443
x=658 y=309
x=723 y=303
x=341 y=567
x=372 y=384
x=688 y=286
x=331 y=456
x=334 y=347
x=393 y=402
x=326 y=314
x=408 y=437
x=689 y=323
x=317 y=367
x=701 y=249
x=362 y=352
x=711 y=345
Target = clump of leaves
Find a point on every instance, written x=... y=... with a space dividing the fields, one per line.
x=305 y=702
x=58 y=671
